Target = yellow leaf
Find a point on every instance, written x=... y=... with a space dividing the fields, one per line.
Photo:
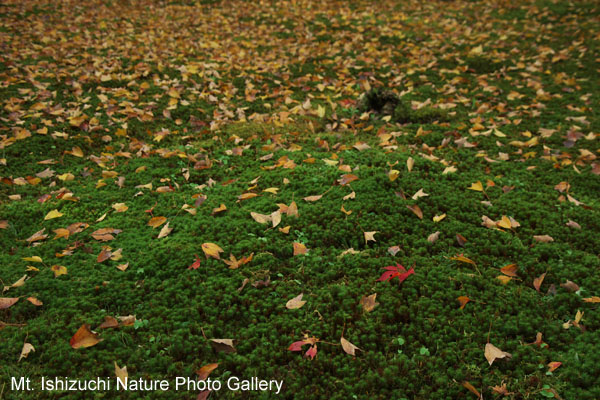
x=393 y=174
x=464 y=259
x=370 y=236
x=121 y=374
x=504 y=279
x=155 y=222
x=212 y=250
x=410 y=163
x=438 y=218
x=32 y=259
x=120 y=207
x=510 y=270
x=285 y=229
x=53 y=214
x=320 y=111
x=477 y=186
x=58 y=270
x=504 y=222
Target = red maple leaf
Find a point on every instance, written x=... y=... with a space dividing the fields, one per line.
x=196 y=263
x=312 y=350
x=397 y=271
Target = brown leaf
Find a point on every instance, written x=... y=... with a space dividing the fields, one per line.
x=261 y=218
x=84 y=337
x=224 y=345
x=219 y=209
x=433 y=237
x=368 y=303
x=463 y=300
x=121 y=374
x=34 y=301
x=416 y=210
x=593 y=299
x=205 y=371
x=543 y=238
x=109 y=322
x=292 y=210
x=537 y=282
x=6 y=302
x=472 y=389
x=510 y=270
x=105 y=234
x=573 y=224
x=492 y=353
x=3 y=224
x=346 y=179
x=348 y=347
x=295 y=303
x=570 y=286
x=461 y=240
x=104 y=255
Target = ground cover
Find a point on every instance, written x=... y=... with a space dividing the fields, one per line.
x=204 y=183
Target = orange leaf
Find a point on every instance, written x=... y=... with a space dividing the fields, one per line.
x=463 y=300
x=417 y=210
x=6 y=302
x=205 y=371
x=84 y=337
x=346 y=179
x=537 y=282
x=510 y=270
x=299 y=249
x=155 y=222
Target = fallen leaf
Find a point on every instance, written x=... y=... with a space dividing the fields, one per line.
x=27 y=348
x=313 y=198
x=34 y=301
x=368 y=303
x=543 y=238
x=510 y=270
x=58 y=270
x=409 y=164
x=593 y=299
x=349 y=196
x=477 y=186
x=461 y=240
x=261 y=218
x=219 y=209
x=3 y=224
x=438 y=218
x=472 y=389
x=109 y=322
x=205 y=371
x=296 y=302
x=212 y=250
x=464 y=259
x=53 y=214
x=164 y=231
x=20 y=282
x=573 y=224
x=433 y=237
x=370 y=236
x=104 y=255
x=537 y=282
x=195 y=264
x=123 y=267
x=346 y=179
x=348 y=347
x=120 y=207
x=463 y=300
x=570 y=286
x=299 y=249
x=397 y=271
x=416 y=210
x=393 y=174
x=420 y=193
x=6 y=302
x=492 y=353
x=155 y=222
x=393 y=250
x=553 y=365
x=84 y=337
x=121 y=374
x=224 y=345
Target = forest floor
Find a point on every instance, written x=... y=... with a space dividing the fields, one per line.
x=213 y=190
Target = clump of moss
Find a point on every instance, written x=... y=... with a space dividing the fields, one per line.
x=386 y=102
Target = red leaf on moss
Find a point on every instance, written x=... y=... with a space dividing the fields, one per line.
x=312 y=352
x=196 y=264
x=397 y=271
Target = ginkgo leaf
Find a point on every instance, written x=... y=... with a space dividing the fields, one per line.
x=295 y=303
x=348 y=347
x=492 y=353
x=84 y=337
x=212 y=250
x=477 y=186
x=53 y=214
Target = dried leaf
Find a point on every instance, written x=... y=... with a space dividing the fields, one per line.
x=121 y=374
x=348 y=347
x=510 y=270
x=299 y=249
x=6 y=302
x=84 y=337
x=109 y=322
x=212 y=250
x=224 y=345
x=205 y=371
x=53 y=214
x=155 y=222
x=58 y=270
x=433 y=237
x=463 y=300
x=416 y=210
x=295 y=303
x=543 y=238
x=27 y=348
x=368 y=303
x=492 y=353
x=313 y=198
x=164 y=231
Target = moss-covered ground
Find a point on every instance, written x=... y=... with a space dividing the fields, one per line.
x=223 y=118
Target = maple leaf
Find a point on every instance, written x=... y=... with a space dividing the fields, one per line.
x=397 y=271
x=195 y=264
